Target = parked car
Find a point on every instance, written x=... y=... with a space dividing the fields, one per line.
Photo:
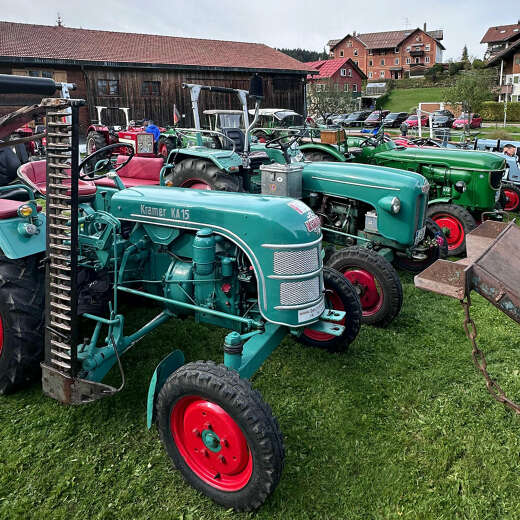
x=341 y=119
x=463 y=120
x=376 y=117
x=356 y=118
x=412 y=120
x=394 y=119
x=442 y=119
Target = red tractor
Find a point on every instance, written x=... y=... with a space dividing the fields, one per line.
x=101 y=134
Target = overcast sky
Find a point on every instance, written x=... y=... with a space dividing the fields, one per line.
x=278 y=23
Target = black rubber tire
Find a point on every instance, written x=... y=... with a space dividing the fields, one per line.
x=204 y=171
x=316 y=156
x=225 y=387
x=333 y=281
x=434 y=234
x=458 y=213
x=355 y=257
x=167 y=143
x=516 y=190
x=22 y=303
x=94 y=142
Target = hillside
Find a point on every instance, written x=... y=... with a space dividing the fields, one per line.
x=404 y=99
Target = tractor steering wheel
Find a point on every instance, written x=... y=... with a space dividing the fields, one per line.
x=277 y=144
x=104 y=165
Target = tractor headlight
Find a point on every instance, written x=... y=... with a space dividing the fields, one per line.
x=144 y=143
x=460 y=186
x=25 y=210
x=396 y=205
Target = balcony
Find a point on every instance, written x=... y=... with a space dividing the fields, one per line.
x=416 y=53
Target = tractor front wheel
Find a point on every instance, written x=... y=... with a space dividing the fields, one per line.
x=201 y=174
x=165 y=146
x=456 y=222
x=375 y=280
x=22 y=319
x=95 y=141
x=220 y=434
x=511 y=193
x=341 y=295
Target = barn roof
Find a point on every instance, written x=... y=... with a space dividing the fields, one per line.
x=327 y=68
x=501 y=33
x=21 y=42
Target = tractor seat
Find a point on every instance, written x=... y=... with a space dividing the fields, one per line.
x=237 y=136
x=9 y=208
x=34 y=174
x=140 y=171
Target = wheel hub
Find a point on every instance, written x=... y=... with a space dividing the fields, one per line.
x=512 y=200
x=369 y=295
x=452 y=229
x=211 y=441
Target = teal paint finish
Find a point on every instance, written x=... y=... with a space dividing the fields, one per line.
x=211 y=440
x=162 y=372
x=259 y=225
x=15 y=244
x=373 y=186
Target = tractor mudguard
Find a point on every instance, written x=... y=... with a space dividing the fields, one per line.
x=162 y=372
x=15 y=244
x=320 y=147
x=283 y=261
x=440 y=200
x=226 y=160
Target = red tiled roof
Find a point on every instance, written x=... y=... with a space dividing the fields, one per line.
x=501 y=33
x=65 y=43
x=327 y=68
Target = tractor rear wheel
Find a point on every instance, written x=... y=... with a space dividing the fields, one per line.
x=319 y=157
x=95 y=141
x=165 y=146
x=456 y=222
x=511 y=193
x=375 y=280
x=435 y=246
x=341 y=295
x=22 y=320
x=220 y=434
x=201 y=174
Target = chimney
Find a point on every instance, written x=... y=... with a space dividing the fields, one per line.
x=424 y=27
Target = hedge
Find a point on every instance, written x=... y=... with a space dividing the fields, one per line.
x=494 y=111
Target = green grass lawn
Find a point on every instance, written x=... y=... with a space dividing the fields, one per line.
x=400 y=426
x=404 y=99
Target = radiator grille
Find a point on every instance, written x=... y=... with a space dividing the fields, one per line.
x=296 y=293
x=296 y=262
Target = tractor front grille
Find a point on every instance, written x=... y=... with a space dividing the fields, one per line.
x=300 y=292
x=296 y=262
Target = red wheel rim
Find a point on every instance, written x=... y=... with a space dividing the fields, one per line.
x=211 y=443
x=335 y=303
x=163 y=150
x=1 y=335
x=452 y=229
x=512 y=200
x=196 y=184
x=370 y=295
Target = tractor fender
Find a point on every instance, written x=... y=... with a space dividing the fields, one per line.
x=15 y=244
x=225 y=160
x=440 y=200
x=320 y=147
x=162 y=372
x=98 y=128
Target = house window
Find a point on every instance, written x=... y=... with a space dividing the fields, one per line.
x=355 y=52
x=418 y=39
x=354 y=87
x=427 y=59
x=341 y=54
x=408 y=49
x=349 y=44
x=370 y=63
x=370 y=75
x=151 y=88
x=108 y=87
x=382 y=62
x=349 y=74
x=417 y=60
x=517 y=60
x=427 y=47
x=345 y=87
x=336 y=87
x=396 y=50
x=40 y=74
x=408 y=61
x=382 y=74
x=396 y=61
x=370 y=52
x=343 y=72
x=516 y=79
x=332 y=54
x=320 y=87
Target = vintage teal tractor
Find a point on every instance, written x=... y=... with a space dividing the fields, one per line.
x=464 y=185
x=250 y=264
x=375 y=215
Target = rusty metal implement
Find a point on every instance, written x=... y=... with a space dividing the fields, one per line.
x=490 y=270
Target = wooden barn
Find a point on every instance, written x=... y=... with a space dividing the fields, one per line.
x=145 y=72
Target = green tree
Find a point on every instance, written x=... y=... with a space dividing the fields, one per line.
x=326 y=98
x=465 y=57
x=304 y=55
x=478 y=64
x=454 y=67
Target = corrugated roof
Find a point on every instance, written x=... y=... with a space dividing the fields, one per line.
x=65 y=43
x=501 y=33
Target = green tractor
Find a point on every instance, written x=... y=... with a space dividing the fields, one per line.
x=464 y=185
x=250 y=264
x=375 y=215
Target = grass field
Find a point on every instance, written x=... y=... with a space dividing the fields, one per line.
x=404 y=99
x=400 y=426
